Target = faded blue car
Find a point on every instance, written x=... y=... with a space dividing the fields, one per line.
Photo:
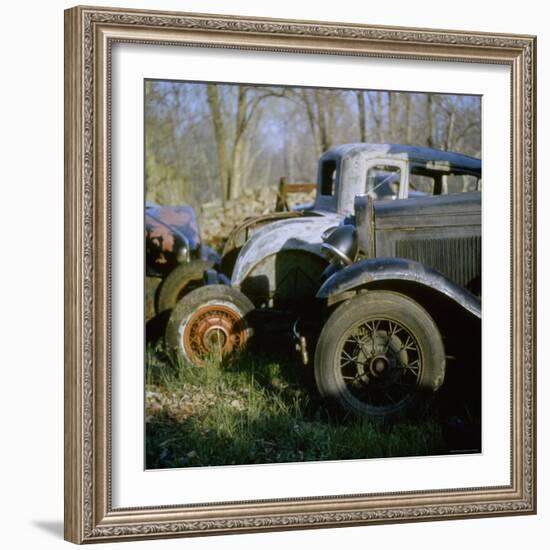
x=277 y=260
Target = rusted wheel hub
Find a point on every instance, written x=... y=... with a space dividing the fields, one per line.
x=214 y=330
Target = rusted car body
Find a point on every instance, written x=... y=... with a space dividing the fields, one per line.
x=172 y=236
x=277 y=260
x=410 y=278
x=175 y=259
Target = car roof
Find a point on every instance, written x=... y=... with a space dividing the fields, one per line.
x=418 y=155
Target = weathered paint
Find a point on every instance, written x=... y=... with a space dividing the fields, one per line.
x=456 y=210
x=244 y=231
x=354 y=159
x=302 y=234
x=397 y=269
x=168 y=230
x=418 y=155
x=269 y=235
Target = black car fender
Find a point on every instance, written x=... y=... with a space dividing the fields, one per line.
x=359 y=275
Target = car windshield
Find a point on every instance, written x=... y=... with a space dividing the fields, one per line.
x=383 y=182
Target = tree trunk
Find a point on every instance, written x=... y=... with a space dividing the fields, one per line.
x=450 y=131
x=290 y=171
x=408 y=119
x=380 y=110
x=220 y=135
x=392 y=115
x=361 y=107
x=376 y=111
x=321 y=108
x=429 y=121
x=312 y=123
x=237 y=160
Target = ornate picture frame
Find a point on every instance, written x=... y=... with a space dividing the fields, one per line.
x=90 y=34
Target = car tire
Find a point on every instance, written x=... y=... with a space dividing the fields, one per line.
x=210 y=321
x=378 y=354
x=181 y=280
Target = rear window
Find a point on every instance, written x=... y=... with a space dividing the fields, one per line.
x=434 y=182
x=328 y=178
x=421 y=184
x=462 y=183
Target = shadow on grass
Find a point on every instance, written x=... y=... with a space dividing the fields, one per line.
x=261 y=408
x=238 y=438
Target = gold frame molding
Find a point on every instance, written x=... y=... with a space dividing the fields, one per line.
x=89 y=36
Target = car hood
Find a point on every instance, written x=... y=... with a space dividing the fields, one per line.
x=172 y=225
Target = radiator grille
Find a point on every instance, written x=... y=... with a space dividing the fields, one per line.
x=457 y=258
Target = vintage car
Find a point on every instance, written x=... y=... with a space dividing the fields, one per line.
x=276 y=262
x=403 y=295
x=174 y=252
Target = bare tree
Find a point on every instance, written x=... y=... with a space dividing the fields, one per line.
x=362 y=119
x=206 y=141
x=429 y=120
x=377 y=111
x=392 y=115
x=230 y=131
x=407 y=99
x=221 y=138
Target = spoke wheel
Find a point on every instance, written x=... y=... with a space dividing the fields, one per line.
x=377 y=354
x=208 y=323
x=214 y=330
x=380 y=362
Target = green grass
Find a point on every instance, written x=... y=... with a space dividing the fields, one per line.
x=258 y=409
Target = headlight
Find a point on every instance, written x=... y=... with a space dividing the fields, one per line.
x=341 y=242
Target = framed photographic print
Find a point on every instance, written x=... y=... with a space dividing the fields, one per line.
x=299 y=274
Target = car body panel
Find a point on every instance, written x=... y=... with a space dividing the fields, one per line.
x=371 y=270
x=301 y=235
x=432 y=241
x=171 y=236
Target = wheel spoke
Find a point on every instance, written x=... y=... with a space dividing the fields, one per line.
x=353 y=363
x=409 y=344
x=394 y=329
x=414 y=367
x=352 y=378
x=349 y=358
x=360 y=338
x=380 y=363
